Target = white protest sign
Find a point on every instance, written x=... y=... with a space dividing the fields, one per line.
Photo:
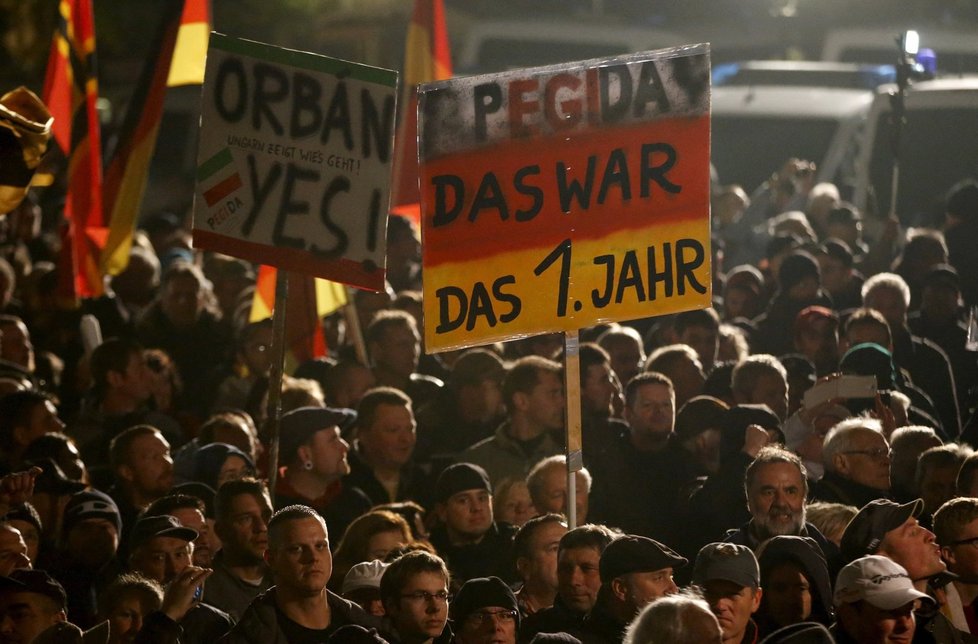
x=294 y=161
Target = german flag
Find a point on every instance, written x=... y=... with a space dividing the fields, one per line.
x=426 y=58
x=125 y=176
x=310 y=299
x=70 y=92
x=190 y=54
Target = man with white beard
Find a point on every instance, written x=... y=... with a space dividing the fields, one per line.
x=777 y=487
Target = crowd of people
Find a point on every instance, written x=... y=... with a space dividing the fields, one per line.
x=741 y=481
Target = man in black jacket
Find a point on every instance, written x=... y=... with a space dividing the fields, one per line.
x=298 y=608
x=467 y=537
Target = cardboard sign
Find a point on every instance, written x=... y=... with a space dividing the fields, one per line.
x=559 y=197
x=294 y=163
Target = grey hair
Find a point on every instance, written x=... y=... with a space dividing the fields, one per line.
x=840 y=437
x=887 y=280
x=534 y=480
x=667 y=620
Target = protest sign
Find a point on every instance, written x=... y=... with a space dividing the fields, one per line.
x=294 y=160
x=558 y=197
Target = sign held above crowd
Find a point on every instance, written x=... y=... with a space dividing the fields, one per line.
x=294 y=161
x=558 y=197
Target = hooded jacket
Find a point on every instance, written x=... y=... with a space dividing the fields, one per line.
x=806 y=554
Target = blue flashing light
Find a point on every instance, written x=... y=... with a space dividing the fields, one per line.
x=927 y=61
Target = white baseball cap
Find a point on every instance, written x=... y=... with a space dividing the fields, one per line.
x=878 y=580
x=366 y=574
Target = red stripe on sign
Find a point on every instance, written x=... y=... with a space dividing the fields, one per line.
x=342 y=270
x=223 y=189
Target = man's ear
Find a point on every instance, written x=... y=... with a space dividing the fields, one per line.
x=521 y=401
x=441 y=511
x=757 y=599
x=522 y=563
x=841 y=464
x=125 y=473
x=947 y=554
x=618 y=589
x=304 y=454
x=114 y=378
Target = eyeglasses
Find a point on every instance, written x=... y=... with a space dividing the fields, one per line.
x=441 y=597
x=973 y=542
x=879 y=453
x=483 y=617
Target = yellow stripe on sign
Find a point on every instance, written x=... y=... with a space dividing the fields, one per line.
x=562 y=288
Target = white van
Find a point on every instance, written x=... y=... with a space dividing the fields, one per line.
x=939 y=147
x=757 y=128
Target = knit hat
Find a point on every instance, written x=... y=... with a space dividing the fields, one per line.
x=209 y=459
x=459 y=478
x=91 y=504
x=870 y=359
x=483 y=592
x=795 y=268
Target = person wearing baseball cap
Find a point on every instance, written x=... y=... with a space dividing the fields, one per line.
x=882 y=527
x=160 y=547
x=634 y=571
x=731 y=581
x=875 y=600
x=31 y=601
x=312 y=448
x=891 y=530
x=162 y=550
x=471 y=542
x=485 y=612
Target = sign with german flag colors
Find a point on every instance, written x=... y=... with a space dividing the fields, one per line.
x=294 y=163
x=559 y=197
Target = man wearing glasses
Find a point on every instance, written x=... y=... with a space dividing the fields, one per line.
x=484 y=612
x=414 y=590
x=956 y=527
x=857 y=463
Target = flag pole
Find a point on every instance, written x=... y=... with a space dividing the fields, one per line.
x=572 y=387
x=274 y=405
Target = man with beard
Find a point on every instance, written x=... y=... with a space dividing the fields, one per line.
x=777 y=486
x=143 y=469
x=298 y=608
x=242 y=511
